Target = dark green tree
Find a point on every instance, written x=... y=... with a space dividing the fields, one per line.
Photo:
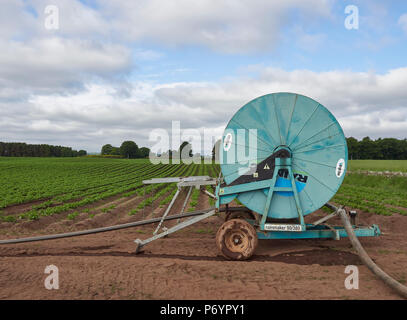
x=107 y=149
x=144 y=152
x=129 y=149
x=116 y=151
x=368 y=149
x=353 y=148
x=390 y=148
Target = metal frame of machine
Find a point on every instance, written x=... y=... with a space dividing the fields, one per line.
x=294 y=136
x=317 y=230
x=301 y=230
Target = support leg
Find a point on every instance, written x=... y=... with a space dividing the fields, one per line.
x=167 y=211
x=142 y=243
x=185 y=202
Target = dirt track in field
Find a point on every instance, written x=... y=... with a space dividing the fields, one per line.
x=187 y=265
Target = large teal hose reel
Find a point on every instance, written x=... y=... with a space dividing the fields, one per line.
x=283 y=156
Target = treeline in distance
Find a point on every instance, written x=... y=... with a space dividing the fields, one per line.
x=21 y=149
x=380 y=149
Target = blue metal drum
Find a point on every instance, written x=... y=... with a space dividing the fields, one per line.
x=291 y=124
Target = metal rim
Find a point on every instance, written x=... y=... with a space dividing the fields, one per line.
x=236 y=239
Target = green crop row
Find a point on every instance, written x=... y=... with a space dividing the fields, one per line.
x=37 y=212
x=376 y=194
x=163 y=188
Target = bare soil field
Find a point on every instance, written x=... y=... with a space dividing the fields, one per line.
x=187 y=265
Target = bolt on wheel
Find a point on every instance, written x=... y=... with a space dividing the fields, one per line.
x=236 y=239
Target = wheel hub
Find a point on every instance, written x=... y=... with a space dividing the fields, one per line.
x=236 y=239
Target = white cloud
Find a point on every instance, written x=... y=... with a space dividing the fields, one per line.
x=16 y=21
x=64 y=54
x=99 y=42
x=222 y=25
x=69 y=86
x=366 y=104
x=75 y=18
x=403 y=22
x=238 y=26
x=57 y=65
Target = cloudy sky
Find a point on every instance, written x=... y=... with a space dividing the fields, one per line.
x=116 y=70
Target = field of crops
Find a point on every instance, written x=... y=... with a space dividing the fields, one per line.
x=378 y=165
x=56 y=185
x=376 y=194
x=382 y=195
x=46 y=196
x=49 y=186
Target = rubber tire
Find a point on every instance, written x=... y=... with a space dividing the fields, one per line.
x=238 y=230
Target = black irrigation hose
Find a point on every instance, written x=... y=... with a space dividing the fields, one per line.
x=104 y=229
x=392 y=283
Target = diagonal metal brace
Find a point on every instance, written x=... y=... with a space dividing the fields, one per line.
x=326 y=218
x=167 y=211
x=185 y=202
x=142 y=243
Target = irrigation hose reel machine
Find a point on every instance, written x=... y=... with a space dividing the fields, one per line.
x=282 y=156
x=297 y=162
